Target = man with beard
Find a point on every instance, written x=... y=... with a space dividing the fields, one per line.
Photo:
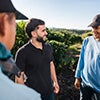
x=88 y=68
x=36 y=60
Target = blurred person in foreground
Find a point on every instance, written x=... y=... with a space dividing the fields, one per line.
x=88 y=68
x=8 y=89
x=35 y=58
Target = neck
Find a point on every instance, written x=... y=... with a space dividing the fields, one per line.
x=36 y=44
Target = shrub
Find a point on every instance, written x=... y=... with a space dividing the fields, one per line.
x=21 y=37
x=59 y=52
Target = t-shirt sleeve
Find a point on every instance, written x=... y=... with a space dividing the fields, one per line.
x=51 y=52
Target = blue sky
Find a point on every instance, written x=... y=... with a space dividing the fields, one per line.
x=70 y=14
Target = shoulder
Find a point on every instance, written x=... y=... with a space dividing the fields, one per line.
x=48 y=46
x=87 y=39
x=23 y=50
x=17 y=90
x=24 y=47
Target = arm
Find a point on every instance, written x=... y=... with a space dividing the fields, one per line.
x=80 y=65
x=79 y=70
x=20 y=61
x=54 y=78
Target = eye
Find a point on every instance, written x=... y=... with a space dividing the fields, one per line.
x=94 y=27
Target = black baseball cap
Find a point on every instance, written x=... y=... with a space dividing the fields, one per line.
x=7 y=6
x=96 y=21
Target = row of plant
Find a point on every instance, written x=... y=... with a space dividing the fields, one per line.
x=61 y=41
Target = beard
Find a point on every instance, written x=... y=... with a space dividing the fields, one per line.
x=40 y=39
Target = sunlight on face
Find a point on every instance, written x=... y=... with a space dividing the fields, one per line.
x=12 y=33
x=41 y=33
x=96 y=32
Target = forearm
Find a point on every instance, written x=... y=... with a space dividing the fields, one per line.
x=53 y=72
x=54 y=78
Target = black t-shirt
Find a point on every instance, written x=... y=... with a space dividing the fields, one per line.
x=36 y=65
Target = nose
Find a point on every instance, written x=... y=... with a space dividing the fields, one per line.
x=46 y=33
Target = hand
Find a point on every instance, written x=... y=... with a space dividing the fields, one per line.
x=20 y=80
x=77 y=83
x=56 y=87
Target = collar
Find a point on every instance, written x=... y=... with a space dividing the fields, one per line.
x=4 y=53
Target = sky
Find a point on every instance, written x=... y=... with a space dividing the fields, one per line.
x=69 y=14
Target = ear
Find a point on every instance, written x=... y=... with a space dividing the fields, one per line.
x=3 y=24
x=33 y=33
x=5 y=20
x=4 y=35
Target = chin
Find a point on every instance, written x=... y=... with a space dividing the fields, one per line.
x=95 y=36
x=43 y=41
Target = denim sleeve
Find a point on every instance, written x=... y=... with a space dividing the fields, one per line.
x=80 y=64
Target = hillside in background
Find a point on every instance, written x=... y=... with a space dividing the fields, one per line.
x=76 y=31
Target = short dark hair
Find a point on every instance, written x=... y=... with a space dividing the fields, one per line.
x=32 y=24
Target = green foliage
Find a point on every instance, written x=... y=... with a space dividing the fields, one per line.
x=71 y=39
x=86 y=34
x=73 y=54
x=64 y=36
x=63 y=42
x=59 y=52
x=21 y=37
x=56 y=36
